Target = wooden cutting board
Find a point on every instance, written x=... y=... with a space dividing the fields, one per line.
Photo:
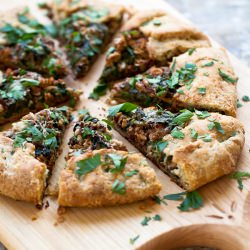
x=223 y=222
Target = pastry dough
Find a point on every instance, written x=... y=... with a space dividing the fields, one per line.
x=220 y=95
x=95 y=188
x=22 y=176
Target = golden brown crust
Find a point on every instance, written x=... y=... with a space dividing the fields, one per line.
x=199 y=162
x=220 y=95
x=22 y=177
x=95 y=188
x=66 y=7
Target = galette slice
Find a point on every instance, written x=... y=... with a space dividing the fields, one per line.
x=203 y=80
x=28 y=153
x=192 y=148
x=23 y=91
x=84 y=29
x=28 y=44
x=101 y=172
x=149 y=38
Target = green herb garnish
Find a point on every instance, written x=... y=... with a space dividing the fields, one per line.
x=240 y=176
x=191 y=51
x=194 y=133
x=245 y=98
x=119 y=162
x=193 y=200
x=174 y=197
x=88 y=165
x=133 y=240
x=118 y=187
x=209 y=64
x=132 y=173
x=227 y=77
x=125 y=108
x=202 y=91
x=157 y=217
x=177 y=134
x=182 y=118
x=202 y=114
x=145 y=221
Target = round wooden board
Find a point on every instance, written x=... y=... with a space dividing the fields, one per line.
x=223 y=222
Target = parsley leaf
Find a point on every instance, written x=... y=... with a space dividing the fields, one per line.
x=160 y=145
x=157 y=22
x=145 y=221
x=240 y=176
x=26 y=82
x=202 y=114
x=132 y=172
x=245 y=98
x=191 y=51
x=239 y=105
x=194 y=133
x=174 y=197
x=159 y=200
x=202 y=91
x=119 y=161
x=118 y=187
x=193 y=200
x=205 y=138
x=177 y=134
x=133 y=240
x=87 y=165
x=126 y=108
x=157 y=217
x=100 y=90
x=209 y=64
x=227 y=77
x=217 y=125
x=185 y=116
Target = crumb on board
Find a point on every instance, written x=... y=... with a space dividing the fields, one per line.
x=233 y=206
x=34 y=217
x=219 y=208
x=214 y=216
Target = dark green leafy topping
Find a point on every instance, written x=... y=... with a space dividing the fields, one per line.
x=227 y=77
x=88 y=165
x=209 y=64
x=161 y=145
x=191 y=51
x=157 y=217
x=180 y=91
x=26 y=82
x=194 y=133
x=125 y=108
x=109 y=123
x=184 y=117
x=193 y=200
x=202 y=91
x=177 y=134
x=174 y=197
x=133 y=240
x=202 y=114
x=245 y=98
x=145 y=221
x=119 y=187
x=119 y=162
x=132 y=173
x=240 y=176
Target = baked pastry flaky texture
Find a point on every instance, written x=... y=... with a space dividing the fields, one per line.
x=167 y=35
x=95 y=188
x=221 y=95
x=198 y=162
x=20 y=181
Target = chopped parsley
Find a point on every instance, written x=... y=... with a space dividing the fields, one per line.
x=202 y=114
x=177 y=134
x=182 y=118
x=133 y=240
x=227 y=77
x=161 y=145
x=119 y=187
x=193 y=200
x=145 y=221
x=217 y=125
x=132 y=173
x=126 y=108
x=157 y=217
x=180 y=91
x=159 y=200
x=238 y=104
x=88 y=165
x=209 y=64
x=205 y=137
x=174 y=197
x=157 y=22
x=240 y=176
x=202 y=91
x=191 y=51
x=194 y=133
x=119 y=162
x=100 y=90
x=245 y=98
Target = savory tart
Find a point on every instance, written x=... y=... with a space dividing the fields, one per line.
x=203 y=79
x=101 y=172
x=23 y=91
x=28 y=153
x=192 y=148
x=26 y=43
x=149 y=37
x=85 y=28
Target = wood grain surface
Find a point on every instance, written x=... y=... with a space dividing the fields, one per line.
x=223 y=222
